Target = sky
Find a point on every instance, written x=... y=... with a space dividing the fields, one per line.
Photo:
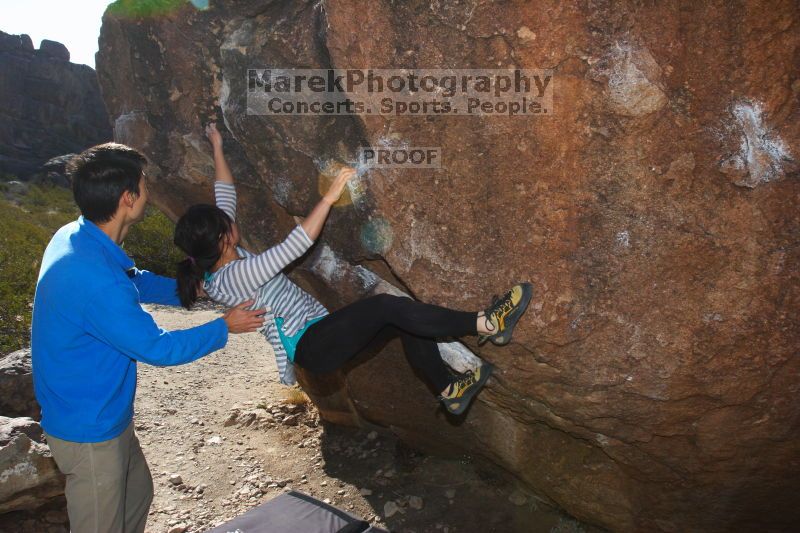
x=76 y=24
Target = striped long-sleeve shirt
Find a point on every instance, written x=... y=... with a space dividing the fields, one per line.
x=259 y=277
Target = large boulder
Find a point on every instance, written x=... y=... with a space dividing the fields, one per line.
x=652 y=383
x=16 y=386
x=29 y=477
x=49 y=106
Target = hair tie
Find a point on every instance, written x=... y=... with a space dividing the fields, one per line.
x=192 y=260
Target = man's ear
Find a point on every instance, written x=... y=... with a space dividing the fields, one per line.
x=128 y=199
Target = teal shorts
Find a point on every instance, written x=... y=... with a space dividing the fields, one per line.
x=290 y=343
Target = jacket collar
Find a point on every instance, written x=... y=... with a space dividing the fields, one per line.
x=118 y=254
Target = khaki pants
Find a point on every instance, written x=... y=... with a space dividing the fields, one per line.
x=109 y=487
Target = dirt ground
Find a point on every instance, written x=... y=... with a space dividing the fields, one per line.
x=222 y=435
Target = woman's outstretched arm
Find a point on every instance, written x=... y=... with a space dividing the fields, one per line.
x=252 y=272
x=224 y=190
x=221 y=170
x=316 y=219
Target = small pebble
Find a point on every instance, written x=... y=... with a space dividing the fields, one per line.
x=415 y=502
x=390 y=509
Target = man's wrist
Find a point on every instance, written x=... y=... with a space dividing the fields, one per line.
x=225 y=331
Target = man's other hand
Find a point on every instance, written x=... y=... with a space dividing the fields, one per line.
x=242 y=320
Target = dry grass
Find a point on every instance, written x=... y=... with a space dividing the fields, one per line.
x=296 y=396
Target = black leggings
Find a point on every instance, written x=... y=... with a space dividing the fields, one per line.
x=329 y=343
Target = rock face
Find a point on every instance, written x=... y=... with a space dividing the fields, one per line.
x=16 y=386
x=49 y=106
x=29 y=476
x=653 y=383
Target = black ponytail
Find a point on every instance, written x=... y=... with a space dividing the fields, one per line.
x=199 y=233
x=189 y=278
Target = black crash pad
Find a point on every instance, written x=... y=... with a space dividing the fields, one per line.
x=295 y=512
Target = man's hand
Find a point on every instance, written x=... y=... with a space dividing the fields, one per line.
x=241 y=320
x=214 y=135
x=337 y=187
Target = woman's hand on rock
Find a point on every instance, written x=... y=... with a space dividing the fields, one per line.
x=214 y=135
x=339 y=183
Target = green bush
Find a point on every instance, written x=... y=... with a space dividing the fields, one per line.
x=48 y=206
x=22 y=242
x=144 y=8
x=26 y=227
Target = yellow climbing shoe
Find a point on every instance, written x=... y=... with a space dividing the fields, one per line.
x=465 y=388
x=504 y=313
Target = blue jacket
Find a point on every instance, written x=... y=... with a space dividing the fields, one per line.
x=89 y=330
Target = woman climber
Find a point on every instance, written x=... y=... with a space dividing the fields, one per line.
x=300 y=329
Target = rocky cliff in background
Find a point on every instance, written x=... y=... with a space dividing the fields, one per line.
x=653 y=383
x=49 y=106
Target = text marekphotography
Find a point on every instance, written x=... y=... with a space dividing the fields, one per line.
x=501 y=92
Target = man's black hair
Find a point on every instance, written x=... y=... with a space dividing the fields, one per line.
x=100 y=175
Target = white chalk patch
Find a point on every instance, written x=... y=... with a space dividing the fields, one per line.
x=197 y=163
x=367 y=277
x=282 y=188
x=634 y=80
x=194 y=142
x=239 y=38
x=762 y=155
x=133 y=129
x=327 y=265
x=357 y=186
x=422 y=244
x=392 y=140
x=458 y=356
x=712 y=317
x=228 y=106
x=24 y=469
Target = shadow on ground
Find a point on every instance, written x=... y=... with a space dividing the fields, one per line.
x=413 y=492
